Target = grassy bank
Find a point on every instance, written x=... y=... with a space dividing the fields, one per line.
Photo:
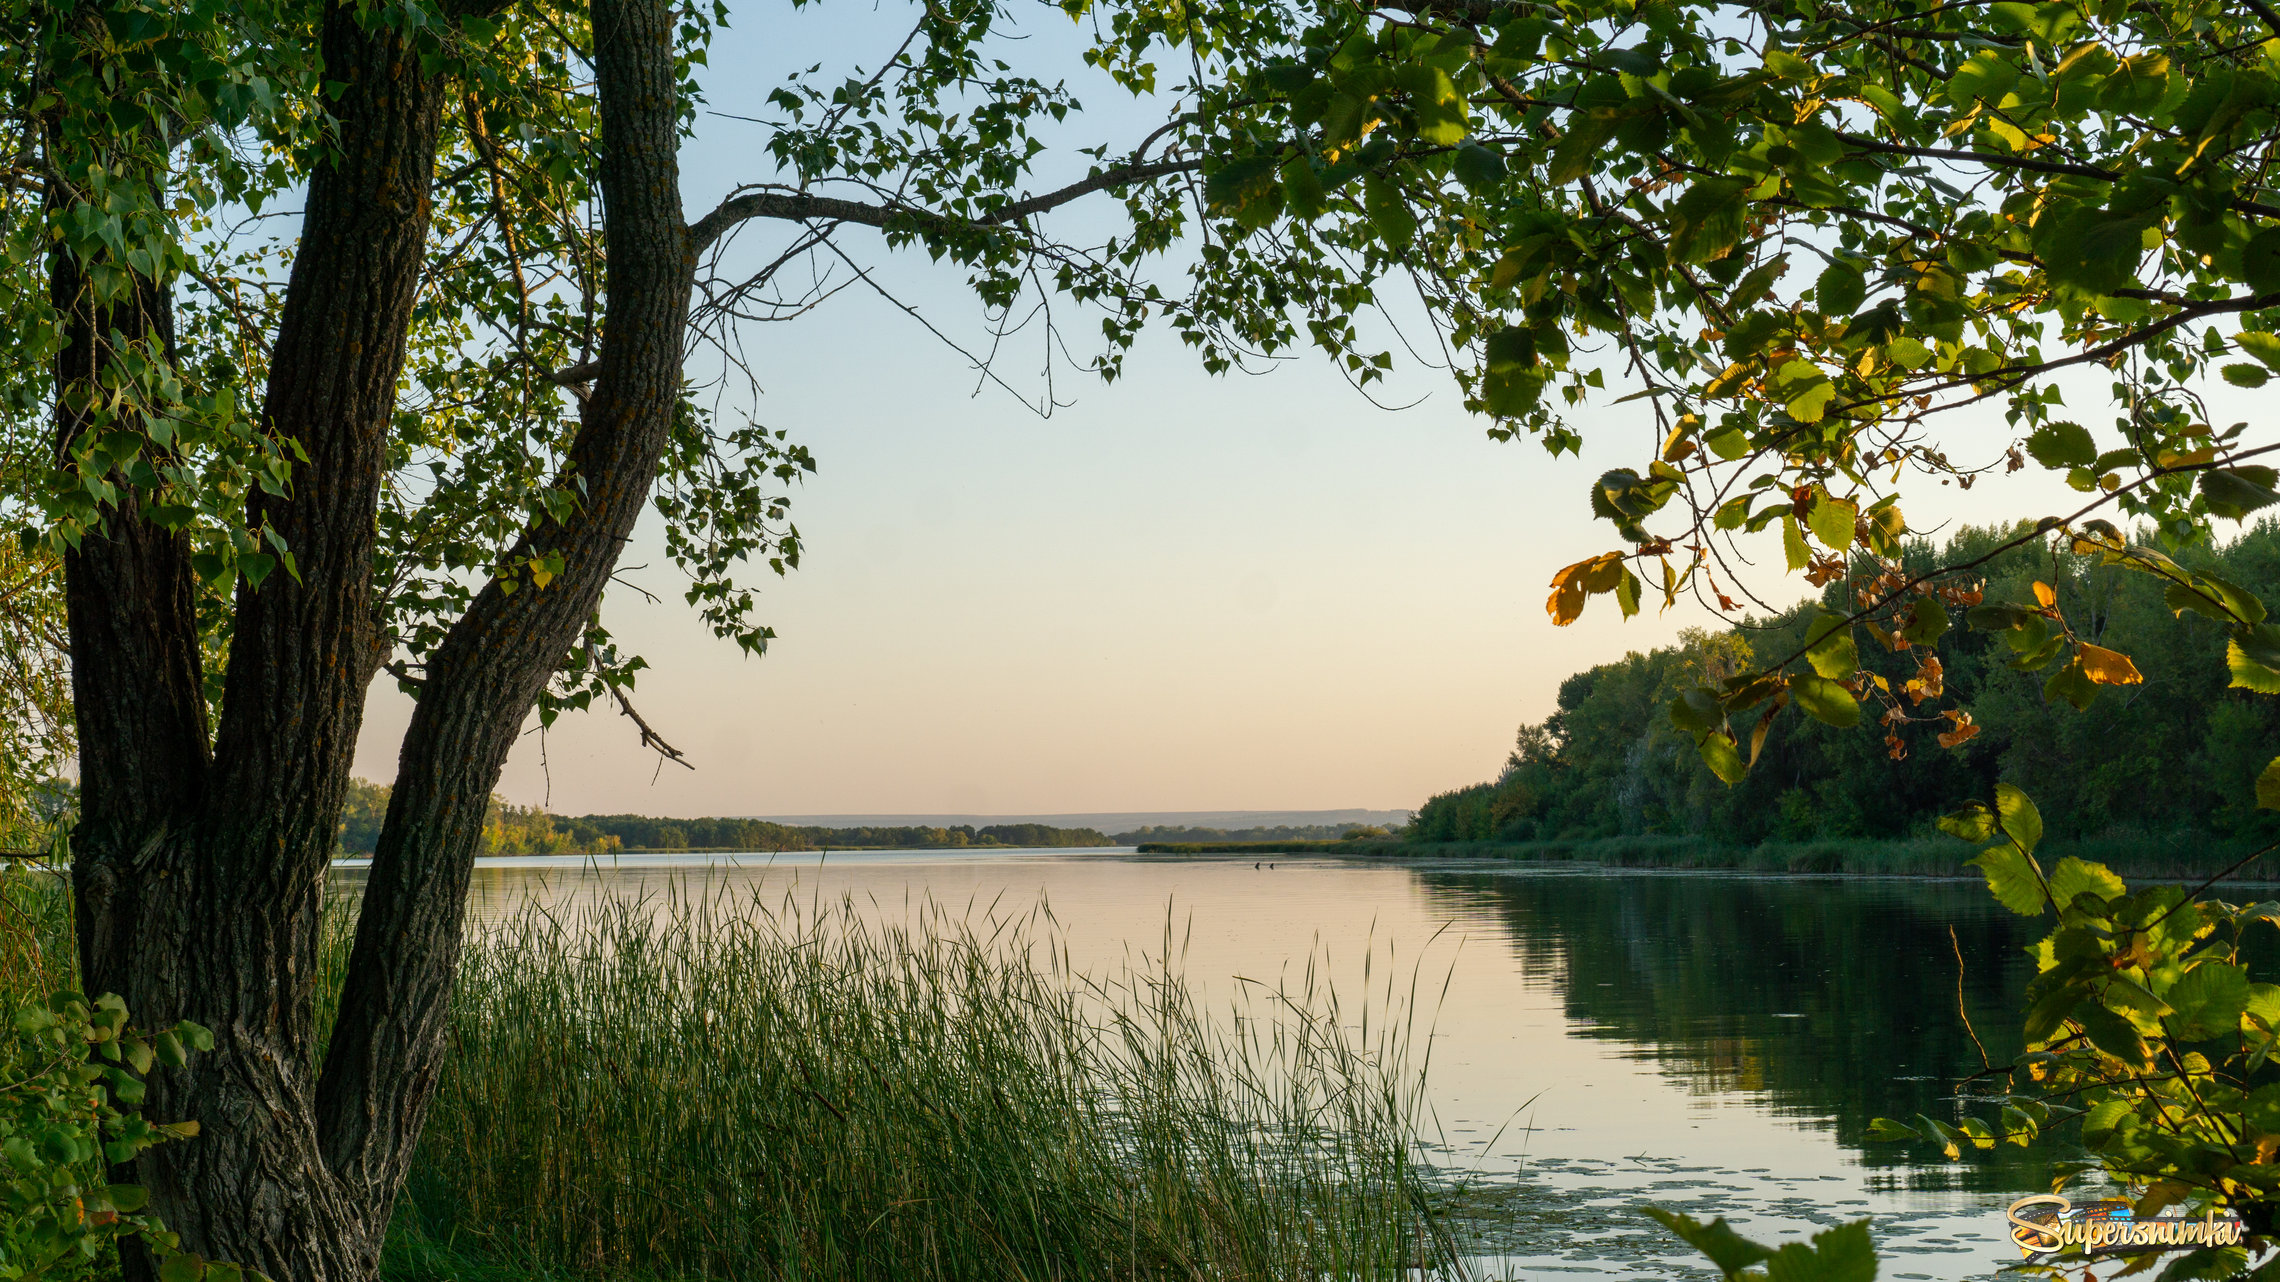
x=701 y=1089
x=2131 y=856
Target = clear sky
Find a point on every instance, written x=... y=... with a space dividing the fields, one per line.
x=1183 y=593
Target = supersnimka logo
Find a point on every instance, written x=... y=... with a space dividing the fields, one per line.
x=2046 y=1225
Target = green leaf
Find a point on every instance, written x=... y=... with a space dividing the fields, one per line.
x=2112 y=1034
x=1513 y=377
x=2212 y=597
x=1832 y=520
x=2072 y=683
x=2137 y=84
x=1787 y=65
x=181 y=1267
x=1239 y=182
x=1825 y=700
x=1811 y=402
x=1793 y=543
x=1841 y=1254
x=1705 y=223
x=1696 y=710
x=128 y=1198
x=2077 y=877
x=1729 y=1250
x=1907 y=352
x=1927 y=622
x=2253 y=655
x=1830 y=648
x=2062 y=445
x=2089 y=249
x=2098 y=1124
x=2260 y=261
x=2209 y=1000
x=1478 y=168
x=2264 y=347
x=2268 y=786
x=1388 y=210
x=1884 y=1130
x=2246 y=375
x=1984 y=77
x=1841 y=289
x=1723 y=758
x=2013 y=878
x=2235 y=492
x=1974 y=822
x=1577 y=152
x=2016 y=816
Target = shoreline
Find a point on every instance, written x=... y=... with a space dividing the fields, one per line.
x=1926 y=857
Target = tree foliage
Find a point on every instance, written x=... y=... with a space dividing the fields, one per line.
x=1803 y=235
x=1612 y=761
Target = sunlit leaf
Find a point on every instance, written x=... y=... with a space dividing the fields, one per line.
x=2013 y=878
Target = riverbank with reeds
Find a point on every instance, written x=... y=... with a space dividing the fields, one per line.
x=714 y=1087
x=2133 y=856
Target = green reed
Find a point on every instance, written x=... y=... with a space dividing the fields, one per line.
x=714 y=1087
x=717 y=1088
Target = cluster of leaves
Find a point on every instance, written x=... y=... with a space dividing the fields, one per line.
x=2145 y=1025
x=1801 y=234
x=69 y=1090
x=136 y=124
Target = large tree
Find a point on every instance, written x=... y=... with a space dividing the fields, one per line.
x=472 y=363
x=412 y=435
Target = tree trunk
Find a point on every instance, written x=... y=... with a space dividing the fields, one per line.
x=481 y=683
x=201 y=873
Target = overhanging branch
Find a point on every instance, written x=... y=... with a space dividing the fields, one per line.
x=796 y=206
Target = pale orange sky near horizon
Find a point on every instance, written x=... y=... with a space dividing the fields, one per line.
x=1182 y=593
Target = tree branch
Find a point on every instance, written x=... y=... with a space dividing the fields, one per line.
x=797 y=206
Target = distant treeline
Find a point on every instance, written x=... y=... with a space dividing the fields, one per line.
x=2172 y=761
x=640 y=832
x=528 y=830
x=1165 y=833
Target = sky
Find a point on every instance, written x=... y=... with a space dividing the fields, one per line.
x=1183 y=592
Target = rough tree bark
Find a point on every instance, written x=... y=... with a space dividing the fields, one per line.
x=200 y=871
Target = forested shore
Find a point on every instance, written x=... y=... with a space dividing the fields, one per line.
x=509 y=829
x=2155 y=776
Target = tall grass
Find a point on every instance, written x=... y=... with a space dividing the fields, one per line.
x=36 y=955
x=713 y=1088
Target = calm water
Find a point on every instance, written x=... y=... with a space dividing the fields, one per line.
x=1713 y=1043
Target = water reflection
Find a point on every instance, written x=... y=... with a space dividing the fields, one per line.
x=1827 y=1000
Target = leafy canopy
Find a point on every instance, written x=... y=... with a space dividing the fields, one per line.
x=1802 y=233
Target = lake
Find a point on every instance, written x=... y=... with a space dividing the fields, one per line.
x=1600 y=1039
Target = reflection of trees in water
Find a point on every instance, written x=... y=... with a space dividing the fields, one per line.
x=1833 y=1001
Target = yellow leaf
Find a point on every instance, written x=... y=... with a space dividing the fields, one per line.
x=2107 y=667
x=1566 y=604
x=2044 y=594
x=1574 y=583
